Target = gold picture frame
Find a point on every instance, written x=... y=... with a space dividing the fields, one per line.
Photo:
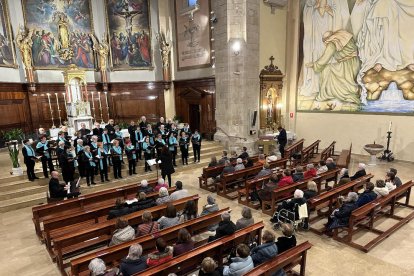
x=7 y=37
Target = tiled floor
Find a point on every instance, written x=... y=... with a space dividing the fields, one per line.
x=22 y=254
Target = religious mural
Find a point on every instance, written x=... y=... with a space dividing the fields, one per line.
x=357 y=56
x=7 y=54
x=192 y=29
x=129 y=28
x=60 y=31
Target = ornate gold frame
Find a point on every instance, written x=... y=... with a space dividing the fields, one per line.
x=111 y=67
x=60 y=68
x=6 y=14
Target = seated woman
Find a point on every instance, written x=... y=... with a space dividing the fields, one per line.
x=381 y=188
x=226 y=227
x=322 y=167
x=147 y=226
x=144 y=187
x=124 y=232
x=367 y=195
x=208 y=268
x=213 y=162
x=142 y=203
x=134 y=262
x=98 y=268
x=189 y=212
x=340 y=216
x=162 y=254
x=163 y=196
x=389 y=181
x=343 y=173
x=262 y=159
x=298 y=175
x=170 y=218
x=360 y=172
x=209 y=208
x=266 y=251
x=119 y=210
x=246 y=219
x=239 y=164
x=184 y=242
x=312 y=190
x=310 y=171
x=241 y=264
x=290 y=204
x=288 y=240
x=160 y=184
x=265 y=194
x=264 y=172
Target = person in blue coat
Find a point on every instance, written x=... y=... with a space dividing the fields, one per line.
x=367 y=196
x=266 y=251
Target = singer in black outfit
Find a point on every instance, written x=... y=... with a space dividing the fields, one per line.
x=282 y=140
x=166 y=166
x=29 y=159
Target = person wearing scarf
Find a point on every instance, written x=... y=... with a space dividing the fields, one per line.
x=147 y=148
x=138 y=142
x=62 y=138
x=67 y=163
x=186 y=129
x=172 y=146
x=94 y=149
x=132 y=157
x=150 y=134
x=116 y=153
x=106 y=140
x=184 y=147
x=196 y=140
x=159 y=144
x=79 y=154
x=43 y=150
x=29 y=159
x=173 y=130
x=102 y=156
x=90 y=165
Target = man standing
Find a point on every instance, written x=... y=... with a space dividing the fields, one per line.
x=282 y=140
x=29 y=159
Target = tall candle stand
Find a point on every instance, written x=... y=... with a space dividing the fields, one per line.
x=100 y=106
x=93 y=106
x=58 y=107
x=107 y=105
x=51 y=111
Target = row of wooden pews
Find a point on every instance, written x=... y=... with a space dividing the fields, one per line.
x=325 y=154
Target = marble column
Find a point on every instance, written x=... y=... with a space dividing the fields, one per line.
x=237 y=72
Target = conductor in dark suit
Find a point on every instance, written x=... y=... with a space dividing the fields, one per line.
x=29 y=159
x=57 y=189
x=282 y=140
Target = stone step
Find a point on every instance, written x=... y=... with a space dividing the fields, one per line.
x=20 y=184
x=22 y=202
x=23 y=192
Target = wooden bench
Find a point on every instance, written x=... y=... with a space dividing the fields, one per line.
x=329 y=199
x=325 y=154
x=292 y=149
x=213 y=172
x=79 y=219
x=364 y=217
x=101 y=233
x=113 y=254
x=280 y=194
x=286 y=261
x=344 y=158
x=309 y=152
x=68 y=206
x=217 y=249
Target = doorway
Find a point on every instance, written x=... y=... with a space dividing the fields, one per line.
x=194 y=116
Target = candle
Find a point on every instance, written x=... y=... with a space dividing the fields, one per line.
x=64 y=98
x=99 y=98
x=86 y=92
x=107 y=105
x=57 y=101
x=93 y=104
x=50 y=108
x=389 y=127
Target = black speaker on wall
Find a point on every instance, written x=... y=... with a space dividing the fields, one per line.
x=254 y=118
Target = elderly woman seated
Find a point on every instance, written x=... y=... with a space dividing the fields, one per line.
x=312 y=190
x=98 y=268
x=360 y=172
x=340 y=216
x=124 y=232
x=310 y=171
x=298 y=174
x=163 y=196
x=134 y=262
x=144 y=187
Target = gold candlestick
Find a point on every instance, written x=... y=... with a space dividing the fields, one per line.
x=50 y=108
x=107 y=105
x=58 y=107
x=100 y=106
x=93 y=105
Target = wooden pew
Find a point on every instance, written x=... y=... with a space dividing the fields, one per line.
x=80 y=219
x=309 y=152
x=216 y=249
x=326 y=153
x=364 y=217
x=329 y=199
x=279 y=194
x=287 y=260
x=84 y=202
x=294 y=148
x=213 y=172
x=101 y=233
x=344 y=158
x=113 y=254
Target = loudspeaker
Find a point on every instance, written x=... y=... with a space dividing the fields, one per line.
x=254 y=118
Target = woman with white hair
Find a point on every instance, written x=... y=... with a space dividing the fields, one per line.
x=163 y=196
x=340 y=216
x=98 y=268
x=161 y=183
x=360 y=172
x=310 y=171
x=134 y=262
x=239 y=166
x=144 y=187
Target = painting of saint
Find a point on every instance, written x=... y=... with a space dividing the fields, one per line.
x=128 y=23
x=61 y=33
x=7 y=54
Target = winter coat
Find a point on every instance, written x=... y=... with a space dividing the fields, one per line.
x=263 y=253
x=181 y=248
x=358 y=174
x=225 y=228
x=142 y=204
x=158 y=258
x=208 y=209
x=123 y=235
x=366 y=197
x=168 y=222
x=118 y=212
x=163 y=200
x=129 y=267
x=285 y=243
x=238 y=266
x=381 y=191
x=243 y=223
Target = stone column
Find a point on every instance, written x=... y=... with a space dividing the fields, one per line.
x=237 y=73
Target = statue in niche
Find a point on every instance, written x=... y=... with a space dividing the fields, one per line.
x=24 y=42
x=165 y=49
x=270 y=100
x=102 y=49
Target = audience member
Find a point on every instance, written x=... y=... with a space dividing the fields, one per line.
x=209 y=208
x=179 y=191
x=330 y=163
x=389 y=181
x=144 y=187
x=147 y=226
x=170 y=218
x=124 y=232
x=208 y=268
x=285 y=181
x=228 y=168
x=162 y=254
x=226 y=227
x=119 y=210
x=381 y=189
x=262 y=159
x=360 y=172
x=244 y=154
x=249 y=163
x=340 y=216
x=213 y=162
x=246 y=219
x=397 y=180
x=266 y=251
x=322 y=167
x=288 y=240
x=233 y=156
x=134 y=262
x=98 y=268
x=142 y=203
x=310 y=171
x=312 y=190
x=161 y=184
x=298 y=175
x=343 y=173
x=239 y=165
x=367 y=196
x=265 y=194
x=265 y=171
x=184 y=242
x=241 y=264
x=163 y=196
x=189 y=212
x=224 y=158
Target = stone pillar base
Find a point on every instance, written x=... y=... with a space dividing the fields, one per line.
x=236 y=144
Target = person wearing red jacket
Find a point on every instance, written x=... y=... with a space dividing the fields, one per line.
x=286 y=180
x=310 y=171
x=163 y=254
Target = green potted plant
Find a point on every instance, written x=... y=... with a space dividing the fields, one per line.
x=13 y=138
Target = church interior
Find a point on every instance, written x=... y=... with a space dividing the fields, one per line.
x=206 y=137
